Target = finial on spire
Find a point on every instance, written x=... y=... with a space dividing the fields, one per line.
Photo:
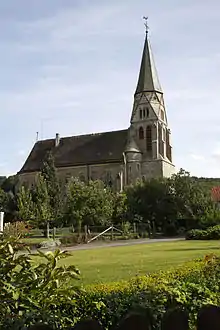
x=146 y=23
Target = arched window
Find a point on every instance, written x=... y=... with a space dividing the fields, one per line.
x=147 y=112
x=141 y=114
x=141 y=133
x=149 y=138
x=162 y=115
x=144 y=112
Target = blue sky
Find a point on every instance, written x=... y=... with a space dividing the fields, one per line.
x=71 y=66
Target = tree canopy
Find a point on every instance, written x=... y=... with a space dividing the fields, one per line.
x=166 y=205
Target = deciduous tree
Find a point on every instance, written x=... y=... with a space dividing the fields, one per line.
x=88 y=204
x=26 y=209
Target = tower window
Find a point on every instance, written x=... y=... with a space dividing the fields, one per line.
x=141 y=133
x=141 y=114
x=145 y=112
x=162 y=115
x=138 y=167
x=149 y=138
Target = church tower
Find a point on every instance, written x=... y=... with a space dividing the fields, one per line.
x=149 y=134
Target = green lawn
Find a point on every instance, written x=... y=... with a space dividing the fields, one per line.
x=33 y=240
x=118 y=263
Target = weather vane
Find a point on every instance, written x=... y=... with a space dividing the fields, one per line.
x=146 y=23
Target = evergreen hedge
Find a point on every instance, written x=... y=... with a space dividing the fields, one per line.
x=211 y=233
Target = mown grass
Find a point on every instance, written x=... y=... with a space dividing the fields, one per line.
x=33 y=240
x=109 y=264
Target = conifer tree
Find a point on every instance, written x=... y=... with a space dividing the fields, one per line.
x=49 y=174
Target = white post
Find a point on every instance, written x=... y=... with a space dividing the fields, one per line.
x=121 y=181
x=1 y=221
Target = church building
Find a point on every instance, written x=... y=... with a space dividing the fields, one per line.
x=119 y=158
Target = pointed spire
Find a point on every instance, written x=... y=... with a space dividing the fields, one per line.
x=148 y=77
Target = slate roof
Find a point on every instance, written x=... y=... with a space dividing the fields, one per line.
x=131 y=146
x=148 y=77
x=99 y=148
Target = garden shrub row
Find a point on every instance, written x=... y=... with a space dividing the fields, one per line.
x=210 y=233
x=190 y=286
x=47 y=292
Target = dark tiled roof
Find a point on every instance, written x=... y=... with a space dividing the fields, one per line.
x=148 y=78
x=79 y=150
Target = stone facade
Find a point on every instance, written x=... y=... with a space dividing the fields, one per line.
x=118 y=158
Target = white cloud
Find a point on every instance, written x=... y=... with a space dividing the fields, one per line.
x=197 y=157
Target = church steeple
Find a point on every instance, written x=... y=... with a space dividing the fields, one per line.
x=148 y=80
x=149 y=125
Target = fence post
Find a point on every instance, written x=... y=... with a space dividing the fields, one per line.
x=86 y=233
x=134 y=224
x=1 y=221
x=48 y=230
x=112 y=233
x=54 y=233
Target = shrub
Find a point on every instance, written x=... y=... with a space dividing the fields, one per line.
x=71 y=240
x=49 y=244
x=33 y=292
x=195 y=234
x=209 y=234
x=44 y=292
x=16 y=229
x=190 y=286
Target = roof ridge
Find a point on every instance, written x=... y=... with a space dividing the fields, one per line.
x=88 y=149
x=84 y=135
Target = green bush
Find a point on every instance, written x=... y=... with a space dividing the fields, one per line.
x=195 y=234
x=73 y=239
x=41 y=291
x=191 y=286
x=32 y=289
x=210 y=233
x=16 y=229
x=49 y=244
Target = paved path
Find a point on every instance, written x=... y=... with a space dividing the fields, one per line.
x=101 y=245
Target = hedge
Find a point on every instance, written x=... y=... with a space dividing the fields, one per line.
x=32 y=295
x=211 y=233
x=191 y=286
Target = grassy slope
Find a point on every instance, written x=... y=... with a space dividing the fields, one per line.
x=118 y=263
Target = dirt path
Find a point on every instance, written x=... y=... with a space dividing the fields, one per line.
x=101 y=245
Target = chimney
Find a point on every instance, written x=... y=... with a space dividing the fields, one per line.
x=57 y=140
